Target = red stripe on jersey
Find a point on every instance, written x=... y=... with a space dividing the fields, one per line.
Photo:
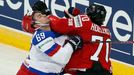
x=54 y=51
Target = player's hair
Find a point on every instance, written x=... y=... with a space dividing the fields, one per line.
x=41 y=7
x=97 y=13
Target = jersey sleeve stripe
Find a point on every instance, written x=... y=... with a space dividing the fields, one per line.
x=53 y=50
x=40 y=72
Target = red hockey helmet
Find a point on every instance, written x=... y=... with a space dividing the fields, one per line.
x=27 y=24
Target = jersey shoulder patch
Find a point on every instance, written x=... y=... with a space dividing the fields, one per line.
x=77 y=21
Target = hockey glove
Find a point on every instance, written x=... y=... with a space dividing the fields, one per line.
x=75 y=41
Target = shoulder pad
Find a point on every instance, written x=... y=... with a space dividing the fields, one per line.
x=41 y=35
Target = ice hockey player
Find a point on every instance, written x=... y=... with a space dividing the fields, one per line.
x=50 y=51
x=93 y=58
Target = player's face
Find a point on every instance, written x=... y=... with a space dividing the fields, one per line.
x=41 y=18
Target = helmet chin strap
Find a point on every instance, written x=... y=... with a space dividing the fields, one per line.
x=41 y=24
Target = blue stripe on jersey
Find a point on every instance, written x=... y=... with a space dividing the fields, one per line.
x=42 y=34
x=51 y=49
x=40 y=72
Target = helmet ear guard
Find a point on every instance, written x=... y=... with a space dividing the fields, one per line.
x=27 y=24
x=97 y=13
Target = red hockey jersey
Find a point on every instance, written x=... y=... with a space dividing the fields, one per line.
x=95 y=47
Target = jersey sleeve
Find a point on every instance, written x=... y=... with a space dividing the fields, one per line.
x=70 y=25
x=63 y=55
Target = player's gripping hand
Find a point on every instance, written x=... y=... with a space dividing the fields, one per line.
x=75 y=41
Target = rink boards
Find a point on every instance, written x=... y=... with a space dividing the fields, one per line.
x=22 y=40
x=15 y=37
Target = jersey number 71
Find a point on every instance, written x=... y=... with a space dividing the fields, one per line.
x=95 y=55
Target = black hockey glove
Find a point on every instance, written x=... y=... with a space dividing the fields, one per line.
x=75 y=41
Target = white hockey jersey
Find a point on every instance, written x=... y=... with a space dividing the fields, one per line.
x=47 y=53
